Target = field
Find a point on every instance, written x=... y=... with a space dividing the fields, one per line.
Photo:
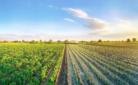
x=29 y=64
x=102 y=65
x=105 y=63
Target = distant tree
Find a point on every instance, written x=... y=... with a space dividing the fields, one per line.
x=58 y=41
x=23 y=41
x=134 y=39
x=100 y=40
x=50 y=41
x=66 y=41
x=128 y=40
x=40 y=41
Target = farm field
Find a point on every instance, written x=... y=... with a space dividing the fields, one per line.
x=29 y=64
x=69 y=64
x=102 y=64
x=68 y=42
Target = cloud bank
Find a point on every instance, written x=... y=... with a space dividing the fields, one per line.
x=94 y=28
x=91 y=22
x=120 y=28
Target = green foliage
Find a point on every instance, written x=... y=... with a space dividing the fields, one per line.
x=28 y=64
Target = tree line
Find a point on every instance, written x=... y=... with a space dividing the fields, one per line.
x=66 y=41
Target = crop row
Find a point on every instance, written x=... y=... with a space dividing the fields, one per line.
x=89 y=65
x=29 y=64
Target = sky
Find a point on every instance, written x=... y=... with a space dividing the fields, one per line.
x=68 y=19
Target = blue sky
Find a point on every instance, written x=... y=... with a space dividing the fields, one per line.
x=68 y=19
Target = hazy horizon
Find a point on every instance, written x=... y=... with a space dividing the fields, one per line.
x=68 y=19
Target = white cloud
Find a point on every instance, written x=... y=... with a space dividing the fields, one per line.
x=78 y=13
x=69 y=20
x=96 y=24
x=91 y=22
x=119 y=29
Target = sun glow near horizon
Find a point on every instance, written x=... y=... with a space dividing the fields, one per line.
x=44 y=20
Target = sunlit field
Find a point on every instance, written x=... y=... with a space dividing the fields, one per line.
x=29 y=64
x=102 y=65
x=68 y=42
x=98 y=63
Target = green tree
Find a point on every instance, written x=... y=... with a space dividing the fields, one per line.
x=99 y=40
x=134 y=39
x=66 y=41
x=50 y=41
x=128 y=40
x=58 y=41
